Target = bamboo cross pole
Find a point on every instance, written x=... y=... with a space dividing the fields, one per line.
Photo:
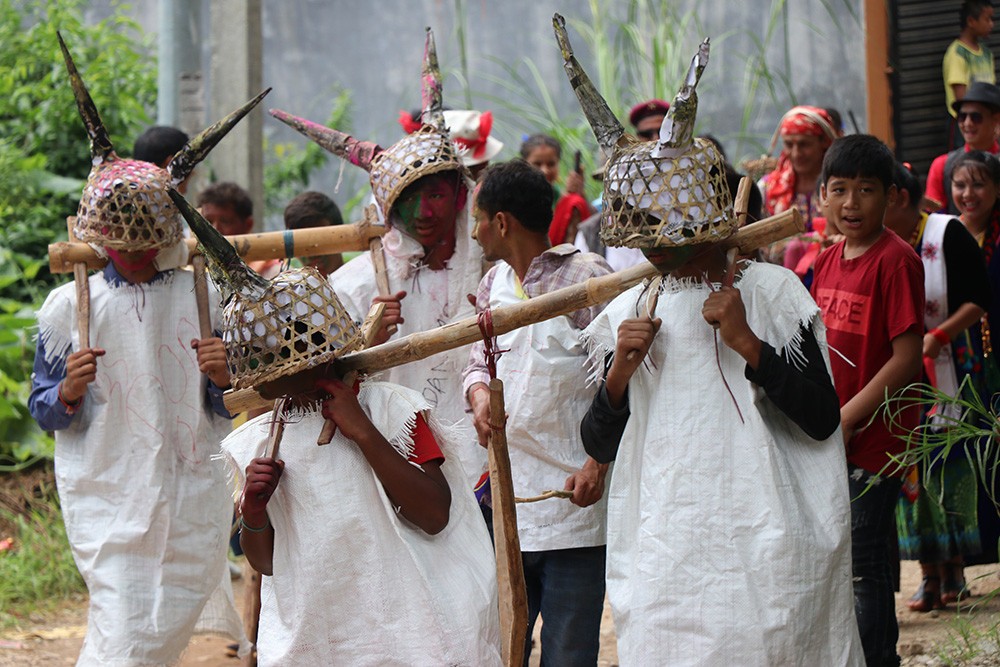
x=251 y=247
x=423 y=344
x=513 y=594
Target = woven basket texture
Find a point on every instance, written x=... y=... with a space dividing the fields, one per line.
x=422 y=153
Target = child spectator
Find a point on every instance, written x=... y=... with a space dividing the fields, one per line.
x=230 y=210
x=544 y=152
x=870 y=288
x=968 y=59
x=135 y=422
x=371 y=547
x=158 y=145
x=315 y=209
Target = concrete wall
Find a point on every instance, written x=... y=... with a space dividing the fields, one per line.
x=373 y=49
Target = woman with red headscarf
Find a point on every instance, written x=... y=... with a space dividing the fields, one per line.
x=805 y=132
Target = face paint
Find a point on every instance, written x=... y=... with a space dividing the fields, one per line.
x=426 y=211
x=132 y=261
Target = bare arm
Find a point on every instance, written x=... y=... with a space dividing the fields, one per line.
x=897 y=372
x=256 y=531
x=422 y=496
x=963 y=318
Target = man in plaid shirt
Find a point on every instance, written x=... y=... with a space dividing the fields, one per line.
x=547 y=394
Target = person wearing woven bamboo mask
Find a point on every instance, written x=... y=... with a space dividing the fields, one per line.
x=135 y=424
x=421 y=186
x=728 y=487
x=562 y=540
x=402 y=571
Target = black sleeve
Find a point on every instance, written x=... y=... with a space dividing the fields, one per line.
x=965 y=269
x=603 y=425
x=807 y=396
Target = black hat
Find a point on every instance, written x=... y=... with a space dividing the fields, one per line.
x=982 y=92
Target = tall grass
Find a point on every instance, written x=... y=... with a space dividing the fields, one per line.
x=38 y=574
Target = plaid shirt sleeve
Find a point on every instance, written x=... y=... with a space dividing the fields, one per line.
x=558 y=268
x=475 y=371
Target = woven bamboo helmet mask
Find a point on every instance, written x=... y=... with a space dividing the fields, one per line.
x=272 y=328
x=426 y=151
x=125 y=205
x=667 y=192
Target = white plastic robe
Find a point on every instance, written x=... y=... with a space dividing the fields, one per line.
x=728 y=542
x=147 y=510
x=546 y=394
x=354 y=583
x=433 y=299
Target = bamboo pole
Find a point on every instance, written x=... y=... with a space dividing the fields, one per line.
x=201 y=296
x=378 y=263
x=82 y=282
x=423 y=344
x=513 y=595
x=251 y=247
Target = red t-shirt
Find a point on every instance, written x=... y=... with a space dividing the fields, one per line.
x=867 y=302
x=425 y=445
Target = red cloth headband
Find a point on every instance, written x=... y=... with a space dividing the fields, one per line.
x=802 y=120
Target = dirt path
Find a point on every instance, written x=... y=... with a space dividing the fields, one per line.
x=55 y=641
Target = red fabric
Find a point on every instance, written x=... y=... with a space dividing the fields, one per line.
x=780 y=183
x=867 y=302
x=425 y=445
x=567 y=204
x=407 y=123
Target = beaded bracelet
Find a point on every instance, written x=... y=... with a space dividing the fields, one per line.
x=71 y=408
x=267 y=524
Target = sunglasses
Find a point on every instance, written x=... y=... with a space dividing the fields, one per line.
x=648 y=134
x=975 y=116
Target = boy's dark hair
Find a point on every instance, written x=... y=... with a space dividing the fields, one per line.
x=858 y=156
x=537 y=141
x=312 y=209
x=980 y=162
x=159 y=143
x=517 y=188
x=904 y=179
x=971 y=9
x=226 y=193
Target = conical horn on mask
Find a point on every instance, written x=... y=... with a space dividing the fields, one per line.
x=227 y=267
x=357 y=152
x=677 y=129
x=195 y=150
x=430 y=86
x=100 y=142
x=602 y=120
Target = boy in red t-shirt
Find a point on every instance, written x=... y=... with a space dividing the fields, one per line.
x=870 y=288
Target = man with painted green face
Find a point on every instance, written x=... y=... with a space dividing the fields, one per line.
x=432 y=263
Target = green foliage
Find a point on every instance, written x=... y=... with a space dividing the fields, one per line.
x=44 y=159
x=38 y=574
x=288 y=173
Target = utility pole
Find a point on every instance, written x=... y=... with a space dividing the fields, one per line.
x=236 y=76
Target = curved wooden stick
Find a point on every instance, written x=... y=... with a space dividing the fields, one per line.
x=545 y=495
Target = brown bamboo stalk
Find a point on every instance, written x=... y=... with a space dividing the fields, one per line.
x=201 y=296
x=510 y=569
x=423 y=344
x=742 y=201
x=82 y=282
x=251 y=247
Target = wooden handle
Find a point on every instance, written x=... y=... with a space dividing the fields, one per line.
x=510 y=569
x=82 y=283
x=251 y=247
x=369 y=328
x=201 y=296
x=545 y=495
x=381 y=274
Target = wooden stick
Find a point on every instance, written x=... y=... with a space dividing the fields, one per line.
x=251 y=247
x=742 y=201
x=381 y=273
x=82 y=282
x=544 y=495
x=423 y=344
x=510 y=569
x=201 y=296
x=369 y=328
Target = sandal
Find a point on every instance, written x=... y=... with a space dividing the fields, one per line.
x=954 y=588
x=925 y=600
